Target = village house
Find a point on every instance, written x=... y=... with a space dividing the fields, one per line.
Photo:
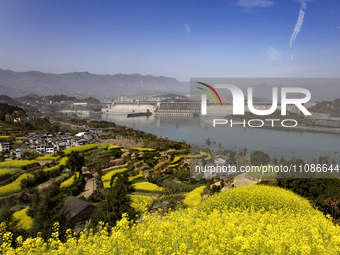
x=79 y=210
x=4 y=146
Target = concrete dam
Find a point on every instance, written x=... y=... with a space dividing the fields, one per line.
x=185 y=108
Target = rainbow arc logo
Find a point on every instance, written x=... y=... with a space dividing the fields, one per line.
x=209 y=93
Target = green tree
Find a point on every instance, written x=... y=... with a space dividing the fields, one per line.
x=48 y=208
x=116 y=202
x=259 y=157
x=7 y=217
x=75 y=162
x=232 y=157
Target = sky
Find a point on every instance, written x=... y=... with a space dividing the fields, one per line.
x=180 y=39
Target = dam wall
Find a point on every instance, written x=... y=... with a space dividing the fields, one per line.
x=186 y=108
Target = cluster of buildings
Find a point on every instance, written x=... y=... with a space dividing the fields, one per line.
x=49 y=143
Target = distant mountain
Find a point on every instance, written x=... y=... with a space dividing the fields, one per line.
x=84 y=84
x=12 y=92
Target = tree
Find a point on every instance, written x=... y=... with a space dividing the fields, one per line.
x=208 y=142
x=259 y=157
x=48 y=208
x=7 y=217
x=75 y=162
x=116 y=202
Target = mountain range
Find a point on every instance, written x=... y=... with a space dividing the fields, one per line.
x=85 y=84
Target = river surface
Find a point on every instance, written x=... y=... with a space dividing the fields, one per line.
x=197 y=130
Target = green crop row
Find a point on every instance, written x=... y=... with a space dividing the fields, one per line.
x=146 y=187
x=141 y=149
x=80 y=148
x=14 y=186
x=70 y=181
x=106 y=179
x=17 y=163
x=194 y=197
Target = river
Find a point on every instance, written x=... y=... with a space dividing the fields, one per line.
x=196 y=130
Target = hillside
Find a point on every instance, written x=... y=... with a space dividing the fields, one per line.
x=9 y=100
x=8 y=112
x=330 y=107
x=33 y=98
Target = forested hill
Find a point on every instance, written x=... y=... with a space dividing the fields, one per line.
x=9 y=111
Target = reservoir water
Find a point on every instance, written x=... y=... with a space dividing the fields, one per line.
x=196 y=130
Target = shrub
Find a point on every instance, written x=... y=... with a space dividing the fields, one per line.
x=146 y=187
x=70 y=181
x=259 y=157
x=194 y=197
x=14 y=186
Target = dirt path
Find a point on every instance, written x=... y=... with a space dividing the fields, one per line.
x=49 y=182
x=90 y=187
x=243 y=179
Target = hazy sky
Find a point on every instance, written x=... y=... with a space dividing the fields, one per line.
x=180 y=39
